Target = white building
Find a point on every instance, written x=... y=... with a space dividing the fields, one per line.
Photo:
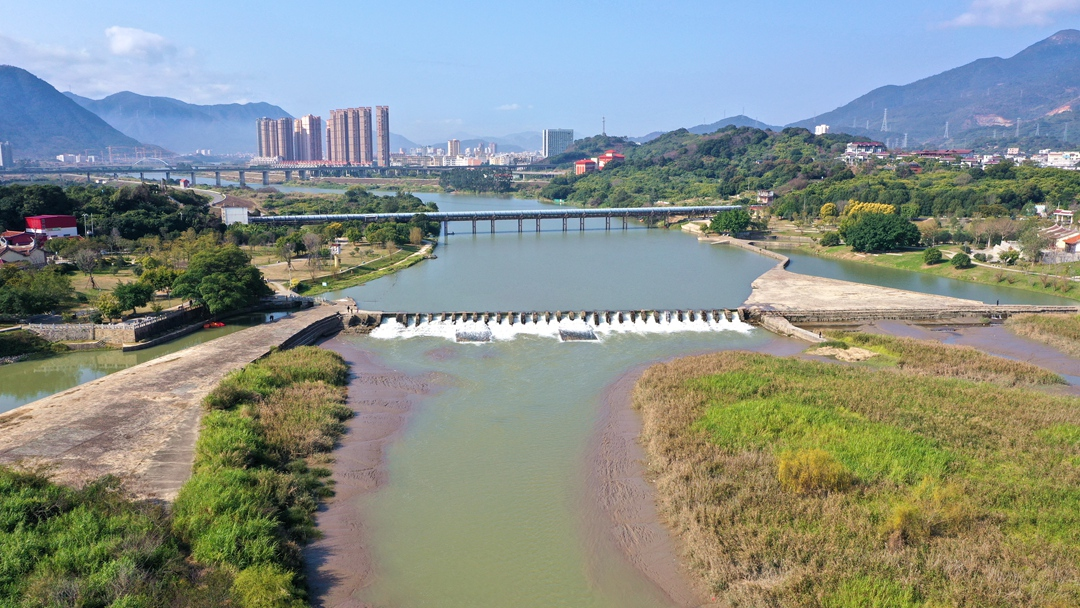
x=821 y=130
x=556 y=141
x=1062 y=160
x=6 y=159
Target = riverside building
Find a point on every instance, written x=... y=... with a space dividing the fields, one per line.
x=382 y=127
x=556 y=141
x=348 y=139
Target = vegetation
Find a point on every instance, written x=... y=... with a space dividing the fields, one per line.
x=354 y=200
x=730 y=222
x=234 y=533
x=960 y=261
x=20 y=342
x=29 y=291
x=222 y=278
x=932 y=256
x=874 y=231
x=829 y=239
x=800 y=483
x=1060 y=331
x=480 y=179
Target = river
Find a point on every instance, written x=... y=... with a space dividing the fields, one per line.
x=487 y=490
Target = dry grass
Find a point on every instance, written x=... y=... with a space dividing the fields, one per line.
x=962 y=493
x=928 y=358
x=1060 y=331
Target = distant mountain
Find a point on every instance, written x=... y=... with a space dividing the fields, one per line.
x=41 y=123
x=1040 y=86
x=515 y=142
x=731 y=121
x=180 y=126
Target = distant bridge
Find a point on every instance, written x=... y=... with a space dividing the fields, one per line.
x=521 y=216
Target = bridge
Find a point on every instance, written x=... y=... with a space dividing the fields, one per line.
x=303 y=172
x=520 y=216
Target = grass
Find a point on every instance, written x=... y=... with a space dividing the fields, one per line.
x=801 y=483
x=913 y=261
x=233 y=536
x=1060 y=331
x=20 y=342
x=408 y=256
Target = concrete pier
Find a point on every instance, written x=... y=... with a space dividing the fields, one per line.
x=141 y=423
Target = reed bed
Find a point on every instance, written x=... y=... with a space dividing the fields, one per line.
x=1060 y=331
x=800 y=483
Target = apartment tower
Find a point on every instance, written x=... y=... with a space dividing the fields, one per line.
x=453 y=147
x=556 y=141
x=276 y=138
x=308 y=137
x=382 y=127
x=349 y=136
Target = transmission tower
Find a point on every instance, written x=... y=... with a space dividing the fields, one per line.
x=1065 y=137
x=1018 y=123
x=603 y=125
x=1037 y=125
x=946 y=130
x=904 y=147
x=885 y=121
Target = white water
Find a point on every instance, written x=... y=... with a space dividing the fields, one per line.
x=479 y=331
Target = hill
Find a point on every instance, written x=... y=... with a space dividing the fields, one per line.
x=703 y=129
x=40 y=122
x=1039 y=86
x=181 y=126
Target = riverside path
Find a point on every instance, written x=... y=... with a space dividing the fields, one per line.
x=141 y=423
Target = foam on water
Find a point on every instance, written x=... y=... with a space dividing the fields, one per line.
x=479 y=331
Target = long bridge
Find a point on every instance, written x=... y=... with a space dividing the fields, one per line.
x=520 y=216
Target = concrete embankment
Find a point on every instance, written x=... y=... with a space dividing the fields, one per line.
x=141 y=423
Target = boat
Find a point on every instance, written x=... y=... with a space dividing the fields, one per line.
x=213 y=324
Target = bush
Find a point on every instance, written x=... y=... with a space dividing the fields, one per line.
x=810 y=471
x=961 y=261
x=830 y=239
x=879 y=232
x=932 y=256
x=981 y=257
x=266 y=586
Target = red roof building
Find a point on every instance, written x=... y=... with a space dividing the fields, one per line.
x=52 y=226
x=583 y=166
x=607 y=157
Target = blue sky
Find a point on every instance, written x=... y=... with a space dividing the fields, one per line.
x=493 y=68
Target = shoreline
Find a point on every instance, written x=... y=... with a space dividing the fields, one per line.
x=339 y=565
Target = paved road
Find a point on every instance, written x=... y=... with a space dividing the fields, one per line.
x=139 y=423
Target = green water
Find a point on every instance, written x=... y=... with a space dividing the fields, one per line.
x=485 y=503
x=26 y=381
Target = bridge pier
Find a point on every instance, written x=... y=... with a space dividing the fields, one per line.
x=474 y=226
x=243 y=182
x=192 y=178
x=519 y=225
x=445 y=230
x=582 y=227
x=607 y=222
x=217 y=178
x=303 y=175
x=266 y=178
x=537 y=225
x=492 y=226
x=288 y=175
x=141 y=176
x=168 y=176
x=624 y=222
x=88 y=177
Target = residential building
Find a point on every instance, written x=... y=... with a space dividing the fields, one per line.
x=556 y=141
x=21 y=254
x=453 y=147
x=276 y=137
x=6 y=159
x=583 y=166
x=52 y=226
x=821 y=130
x=349 y=138
x=766 y=197
x=307 y=138
x=1062 y=160
x=382 y=127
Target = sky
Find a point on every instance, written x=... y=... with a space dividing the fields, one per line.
x=494 y=68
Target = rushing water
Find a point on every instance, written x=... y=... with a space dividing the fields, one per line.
x=27 y=381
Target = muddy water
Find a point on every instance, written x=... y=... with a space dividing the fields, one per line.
x=504 y=479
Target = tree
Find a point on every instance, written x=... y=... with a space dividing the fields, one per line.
x=28 y=291
x=1032 y=242
x=132 y=295
x=909 y=211
x=733 y=221
x=929 y=230
x=222 y=278
x=961 y=261
x=881 y=232
x=313 y=244
x=87 y=260
x=109 y=306
x=829 y=211
x=830 y=239
x=160 y=278
x=1009 y=257
x=932 y=256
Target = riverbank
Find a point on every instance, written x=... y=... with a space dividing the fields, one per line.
x=408 y=256
x=912 y=261
x=884 y=476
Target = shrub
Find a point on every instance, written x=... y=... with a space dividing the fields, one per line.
x=1009 y=257
x=999 y=276
x=266 y=586
x=811 y=471
x=961 y=260
x=932 y=256
x=830 y=239
x=933 y=509
x=980 y=257
x=879 y=232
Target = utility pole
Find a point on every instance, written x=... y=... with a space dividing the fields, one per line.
x=603 y=125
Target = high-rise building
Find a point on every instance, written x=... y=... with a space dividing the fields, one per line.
x=349 y=136
x=285 y=133
x=453 y=147
x=6 y=159
x=556 y=141
x=276 y=138
x=382 y=128
x=307 y=138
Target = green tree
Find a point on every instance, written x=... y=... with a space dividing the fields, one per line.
x=1009 y=257
x=132 y=295
x=159 y=277
x=735 y=220
x=881 y=232
x=221 y=278
x=29 y=291
x=830 y=239
x=109 y=306
x=909 y=211
x=961 y=260
x=829 y=211
x=931 y=256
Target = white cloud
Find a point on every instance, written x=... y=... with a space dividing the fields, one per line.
x=1013 y=13
x=508 y=107
x=125 y=59
x=133 y=42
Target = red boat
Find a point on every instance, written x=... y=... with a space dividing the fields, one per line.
x=213 y=324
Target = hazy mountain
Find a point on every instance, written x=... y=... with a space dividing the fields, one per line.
x=41 y=123
x=515 y=142
x=736 y=121
x=180 y=126
x=1039 y=85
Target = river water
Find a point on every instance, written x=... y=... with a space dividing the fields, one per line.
x=487 y=489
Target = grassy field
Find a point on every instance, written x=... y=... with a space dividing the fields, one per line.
x=1060 y=331
x=233 y=536
x=913 y=261
x=801 y=483
x=406 y=257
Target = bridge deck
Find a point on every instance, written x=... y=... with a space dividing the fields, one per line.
x=524 y=214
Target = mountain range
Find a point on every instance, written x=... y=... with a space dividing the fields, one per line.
x=40 y=122
x=182 y=127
